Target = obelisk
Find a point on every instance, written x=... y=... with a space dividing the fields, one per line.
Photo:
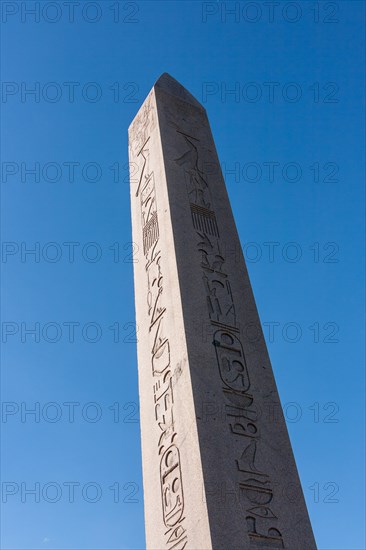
x=218 y=467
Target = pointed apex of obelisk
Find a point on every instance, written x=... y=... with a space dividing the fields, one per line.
x=171 y=86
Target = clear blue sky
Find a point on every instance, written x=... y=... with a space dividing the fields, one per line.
x=292 y=131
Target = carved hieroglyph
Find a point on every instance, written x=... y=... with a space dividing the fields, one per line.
x=218 y=467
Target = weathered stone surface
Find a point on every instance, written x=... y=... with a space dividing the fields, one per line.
x=218 y=467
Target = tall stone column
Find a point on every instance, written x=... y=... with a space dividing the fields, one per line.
x=218 y=468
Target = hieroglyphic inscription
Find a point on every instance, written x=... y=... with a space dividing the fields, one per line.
x=254 y=485
x=204 y=220
x=143 y=126
x=170 y=471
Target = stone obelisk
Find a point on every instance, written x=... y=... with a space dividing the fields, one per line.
x=218 y=467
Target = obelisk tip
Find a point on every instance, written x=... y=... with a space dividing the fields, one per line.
x=171 y=86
